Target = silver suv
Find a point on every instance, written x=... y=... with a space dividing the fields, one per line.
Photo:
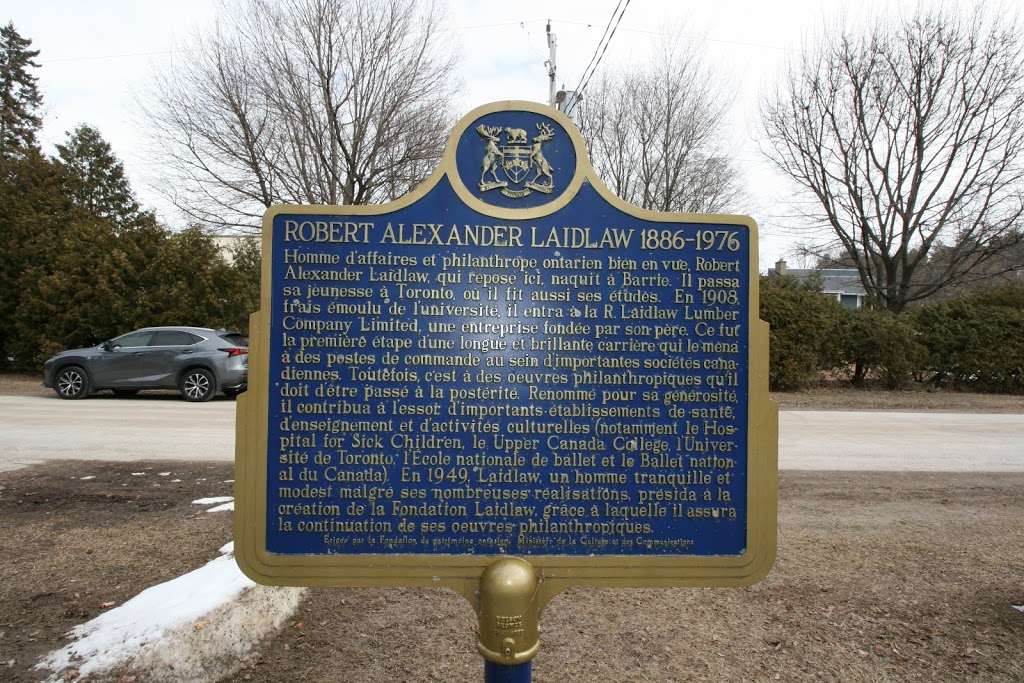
x=196 y=361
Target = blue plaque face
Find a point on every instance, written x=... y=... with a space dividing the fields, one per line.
x=513 y=362
x=574 y=385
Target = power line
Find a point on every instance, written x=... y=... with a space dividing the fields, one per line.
x=103 y=56
x=602 y=47
x=601 y=41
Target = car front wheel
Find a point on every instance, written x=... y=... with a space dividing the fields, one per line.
x=198 y=385
x=72 y=383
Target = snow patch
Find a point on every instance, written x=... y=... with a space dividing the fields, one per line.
x=198 y=627
x=216 y=500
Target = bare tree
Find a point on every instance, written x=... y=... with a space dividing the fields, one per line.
x=304 y=101
x=656 y=132
x=907 y=136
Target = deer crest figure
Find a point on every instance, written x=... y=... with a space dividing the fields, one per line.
x=491 y=153
x=537 y=156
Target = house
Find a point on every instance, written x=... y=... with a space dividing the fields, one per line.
x=842 y=284
x=227 y=243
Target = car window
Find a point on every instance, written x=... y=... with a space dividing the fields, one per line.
x=133 y=339
x=173 y=338
x=235 y=338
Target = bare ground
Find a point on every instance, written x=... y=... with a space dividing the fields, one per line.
x=879 y=577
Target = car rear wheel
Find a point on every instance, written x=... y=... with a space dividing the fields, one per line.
x=72 y=383
x=198 y=385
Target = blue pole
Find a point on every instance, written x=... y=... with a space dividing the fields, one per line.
x=501 y=673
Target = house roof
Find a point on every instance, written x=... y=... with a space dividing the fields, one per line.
x=833 y=280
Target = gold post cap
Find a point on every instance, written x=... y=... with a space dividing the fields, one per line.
x=509 y=612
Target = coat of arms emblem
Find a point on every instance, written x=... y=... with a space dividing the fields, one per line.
x=515 y=160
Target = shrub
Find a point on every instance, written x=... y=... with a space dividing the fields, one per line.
x=804 y=331
x=975 y=342
x=878 y=342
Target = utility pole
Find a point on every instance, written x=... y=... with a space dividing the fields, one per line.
x=552 y=42
x=564 y=101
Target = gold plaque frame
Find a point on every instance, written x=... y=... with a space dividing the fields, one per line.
x=462 y=572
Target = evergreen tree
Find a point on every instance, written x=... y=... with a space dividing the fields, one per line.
x=244 y=289
x=94 y=179
x=188 y=282
x=29 y=192
x=33 y=215
x=20 y=99
x=96 y=285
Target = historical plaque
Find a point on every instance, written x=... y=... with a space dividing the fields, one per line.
x=508 y=362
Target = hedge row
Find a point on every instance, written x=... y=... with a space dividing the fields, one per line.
x=973 y=343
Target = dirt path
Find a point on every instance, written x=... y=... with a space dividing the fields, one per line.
x=902 y=577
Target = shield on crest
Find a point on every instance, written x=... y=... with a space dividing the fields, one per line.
x=516 y=162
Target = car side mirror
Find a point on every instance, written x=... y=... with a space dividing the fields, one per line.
x=107 y=346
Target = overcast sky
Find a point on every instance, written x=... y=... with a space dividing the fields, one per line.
x=95 y=53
